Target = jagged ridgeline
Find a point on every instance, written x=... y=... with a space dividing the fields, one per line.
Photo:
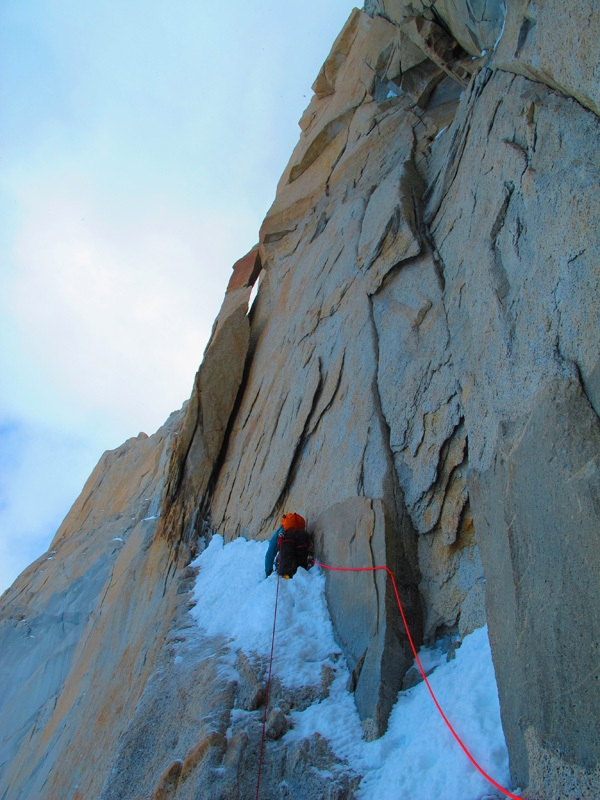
x=418 y=376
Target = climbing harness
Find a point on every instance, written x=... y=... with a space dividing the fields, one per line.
x=422 y=671
x=417 y=659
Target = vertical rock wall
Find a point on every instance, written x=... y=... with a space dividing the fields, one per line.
x=429 y=301
x=419 y=376
x=351 y=395
x=521 y=267
x=511 y=210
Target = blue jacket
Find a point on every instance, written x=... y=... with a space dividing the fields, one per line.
x=272 y=552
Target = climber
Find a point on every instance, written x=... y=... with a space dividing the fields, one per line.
x=290 y=547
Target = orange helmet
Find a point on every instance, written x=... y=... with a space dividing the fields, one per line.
x=293 y=522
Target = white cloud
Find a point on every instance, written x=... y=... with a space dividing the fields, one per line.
x=142 y=144
x=116 y=315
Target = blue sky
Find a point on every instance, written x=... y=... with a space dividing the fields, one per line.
x=140 y=146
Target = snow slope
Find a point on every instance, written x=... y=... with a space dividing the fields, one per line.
x=417 y=757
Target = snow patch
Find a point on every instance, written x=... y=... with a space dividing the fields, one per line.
x=417 y=757
x=236 y=601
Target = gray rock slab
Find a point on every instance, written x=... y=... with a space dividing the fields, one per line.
x=367 y=623
x=520 y=264
x=537 y=510
x=555 y=43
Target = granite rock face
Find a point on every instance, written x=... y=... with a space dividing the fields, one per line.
x=554 y=44
x=206 y=414
x=362 y=605
x=82 y=626
x=520 y=265
x=107 y=688
x=537 y=540
x=348 y=210
x=475 y=24
x=419 y=376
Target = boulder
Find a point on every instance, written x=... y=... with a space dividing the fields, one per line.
x=476 y=24
x=363 y=608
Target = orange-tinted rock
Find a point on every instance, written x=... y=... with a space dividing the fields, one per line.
x=245 y=271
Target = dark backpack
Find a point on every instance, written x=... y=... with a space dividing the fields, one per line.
x=294 y=551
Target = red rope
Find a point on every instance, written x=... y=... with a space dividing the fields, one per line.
x=422 y=671
x=264 y=722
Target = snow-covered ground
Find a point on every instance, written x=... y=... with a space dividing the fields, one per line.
x=417 y=758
